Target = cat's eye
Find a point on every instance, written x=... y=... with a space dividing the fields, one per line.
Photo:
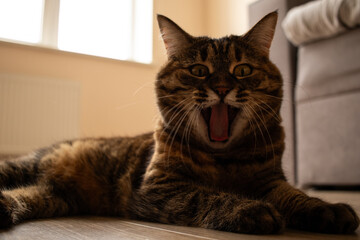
x=199 y=70
x=242 y=70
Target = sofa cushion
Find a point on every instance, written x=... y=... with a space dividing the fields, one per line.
x=320 y=19
x=328 y=140
x=329 y=66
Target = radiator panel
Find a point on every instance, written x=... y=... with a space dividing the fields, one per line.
x=36 y=112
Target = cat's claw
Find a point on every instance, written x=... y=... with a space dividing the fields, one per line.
x=261 y=218
x=327 y=218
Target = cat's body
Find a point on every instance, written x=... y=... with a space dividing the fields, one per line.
x=213 y=161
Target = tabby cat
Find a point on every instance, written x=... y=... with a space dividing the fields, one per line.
x=214 y=160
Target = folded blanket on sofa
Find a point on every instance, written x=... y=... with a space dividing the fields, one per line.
x=320 y=19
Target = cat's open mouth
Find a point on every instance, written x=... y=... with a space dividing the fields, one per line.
x=219 y=118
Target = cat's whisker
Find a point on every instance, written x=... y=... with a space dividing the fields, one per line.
x=141 y=87
x=272 y=113
x=268 y=95
x=178 y=105
x=298 y=86
x=177 y=126
x=126 y=105
x=274 y=98
x=166 y=111
x=259 y=127
x=166 y=96
x=262 y=120
x=175 y=115
x=187 y=129
x=172 y=95
x=252 y=128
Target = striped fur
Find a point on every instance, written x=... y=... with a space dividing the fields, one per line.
x=179 y=174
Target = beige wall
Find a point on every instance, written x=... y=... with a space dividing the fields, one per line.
x=117 y=97
x=108 y=86
x=226 y=17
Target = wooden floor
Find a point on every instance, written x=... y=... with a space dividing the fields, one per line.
x=112 y=228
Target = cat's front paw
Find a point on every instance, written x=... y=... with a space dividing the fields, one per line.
x=326 y=218
x=5 y=215
x=260 y=218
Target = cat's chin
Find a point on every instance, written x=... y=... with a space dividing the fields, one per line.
x=218 y=146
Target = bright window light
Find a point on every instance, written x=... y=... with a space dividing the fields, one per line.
x=21 y=20
x=143 y=31
x=96 y=27
x=107 y=28
x=118 y=29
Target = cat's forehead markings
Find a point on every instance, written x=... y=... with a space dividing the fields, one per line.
x=204 y=53
x=216 y=51
x=204 y=56
x=237 y=52
x=221 y=46
x=210 y=51
x=214 y=47
x=227 y=45
x=230 y=52
x=220 y=50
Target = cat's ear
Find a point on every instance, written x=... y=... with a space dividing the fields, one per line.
x=263 y=32
x=173 y=36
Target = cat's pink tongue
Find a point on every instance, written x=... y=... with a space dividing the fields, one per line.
x=219 y=122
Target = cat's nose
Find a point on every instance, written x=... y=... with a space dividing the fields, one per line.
x=222 y=91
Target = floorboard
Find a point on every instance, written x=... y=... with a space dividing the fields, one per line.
x=91 y=228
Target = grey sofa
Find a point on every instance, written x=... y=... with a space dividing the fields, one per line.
x=321 y=108
x=328 y=111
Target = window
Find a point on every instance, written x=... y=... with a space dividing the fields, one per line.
x=108 y=28
x=21 y=20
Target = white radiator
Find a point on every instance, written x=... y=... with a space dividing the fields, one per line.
x=36 y=112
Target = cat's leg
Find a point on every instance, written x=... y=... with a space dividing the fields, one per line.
x=184 y=204
x=20 y=171
x=30 y=202
x=311 y=214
